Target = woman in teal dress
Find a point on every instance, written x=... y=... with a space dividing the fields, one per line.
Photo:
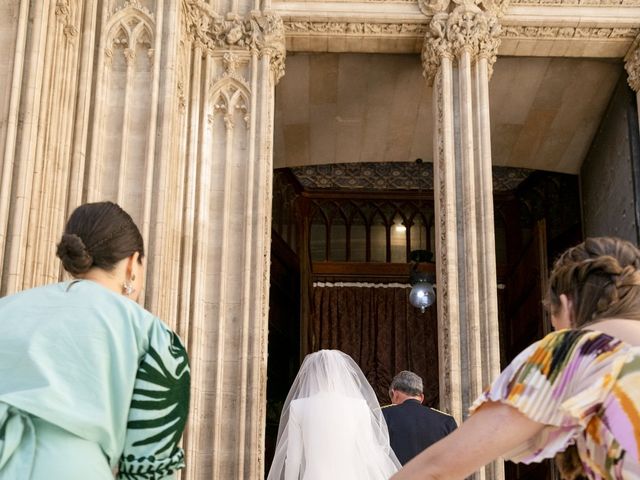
x=92 y=386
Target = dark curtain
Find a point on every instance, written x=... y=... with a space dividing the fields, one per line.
x=381 y=331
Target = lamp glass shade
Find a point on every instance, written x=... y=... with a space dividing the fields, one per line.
x=422 y=296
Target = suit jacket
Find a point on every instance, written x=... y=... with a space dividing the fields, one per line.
x=413 y=427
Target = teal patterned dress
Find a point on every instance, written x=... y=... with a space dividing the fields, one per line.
x=92 y=386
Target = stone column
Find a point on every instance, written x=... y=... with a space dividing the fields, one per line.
x=632 y=65
x=458 y=53
x=229 y=65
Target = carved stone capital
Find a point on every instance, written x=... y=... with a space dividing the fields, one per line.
x=436 y=45
x=261 y=32
x=632 y=65
x=465 y=29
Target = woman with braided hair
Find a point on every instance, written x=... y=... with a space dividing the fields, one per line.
x=91 y=384
x=575 y=394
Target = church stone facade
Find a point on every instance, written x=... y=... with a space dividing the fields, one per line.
x=167 y=107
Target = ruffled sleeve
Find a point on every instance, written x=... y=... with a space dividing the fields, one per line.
x=158 y=411
x=560 y=381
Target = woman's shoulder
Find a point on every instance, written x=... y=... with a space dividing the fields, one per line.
x=86 y=298
x=562 y=344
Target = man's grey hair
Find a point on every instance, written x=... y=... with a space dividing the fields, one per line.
x=407 y=382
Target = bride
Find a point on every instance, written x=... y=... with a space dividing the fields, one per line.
x=331 y=425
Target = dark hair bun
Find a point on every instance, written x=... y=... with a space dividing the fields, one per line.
x=74 y=254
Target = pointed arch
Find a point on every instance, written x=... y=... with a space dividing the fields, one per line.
x=231 y=93
x=134 y=22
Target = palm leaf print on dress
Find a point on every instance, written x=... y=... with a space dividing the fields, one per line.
x=162 y=406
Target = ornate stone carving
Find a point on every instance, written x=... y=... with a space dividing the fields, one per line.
x=131 y=25
x=231 y=94
x=432 y=7
x=130 y=56
x=62 y=9
x=70 y=32
x=355 y=28
x=632 y=65
x=132 y=4
x=466 y=28
x=521 y=31
x=443 y=278
x=108 y=56
x=392 y=176
x=258 y=32
x=182 y=100
x=231 y=62
x=230 y=98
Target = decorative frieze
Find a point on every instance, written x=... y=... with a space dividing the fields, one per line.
x=384 y=176
x=257 y=32
x=487 y=45
x=522 y=31
x=355 y=28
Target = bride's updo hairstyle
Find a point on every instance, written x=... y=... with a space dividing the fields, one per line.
x=601 y=277
x=98 y=235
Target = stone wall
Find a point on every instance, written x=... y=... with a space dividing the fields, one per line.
x=609 y=201
x=167 y=108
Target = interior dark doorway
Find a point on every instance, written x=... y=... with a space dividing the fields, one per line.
x=284 y=334
x=341 y=239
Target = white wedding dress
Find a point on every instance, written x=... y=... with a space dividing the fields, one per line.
x=331 y=426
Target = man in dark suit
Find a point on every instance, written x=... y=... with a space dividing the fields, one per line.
x=412 y=426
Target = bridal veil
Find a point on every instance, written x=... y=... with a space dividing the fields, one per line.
x=331 y=425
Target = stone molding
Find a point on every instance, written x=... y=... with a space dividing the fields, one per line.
x=418 y=30
x=260 y=32
x=632 y=65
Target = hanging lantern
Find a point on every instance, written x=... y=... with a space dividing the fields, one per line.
x=422 y=293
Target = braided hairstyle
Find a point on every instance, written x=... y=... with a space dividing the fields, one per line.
x=601 y=277
x=98 y=235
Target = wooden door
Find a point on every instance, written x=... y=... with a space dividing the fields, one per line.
x=524 y=322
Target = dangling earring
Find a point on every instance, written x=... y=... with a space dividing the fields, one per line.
x=127 y=286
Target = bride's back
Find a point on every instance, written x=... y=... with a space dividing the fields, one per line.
x=331 y=426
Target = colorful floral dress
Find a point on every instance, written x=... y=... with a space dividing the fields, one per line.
x=90 y=384
x=585 y=387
